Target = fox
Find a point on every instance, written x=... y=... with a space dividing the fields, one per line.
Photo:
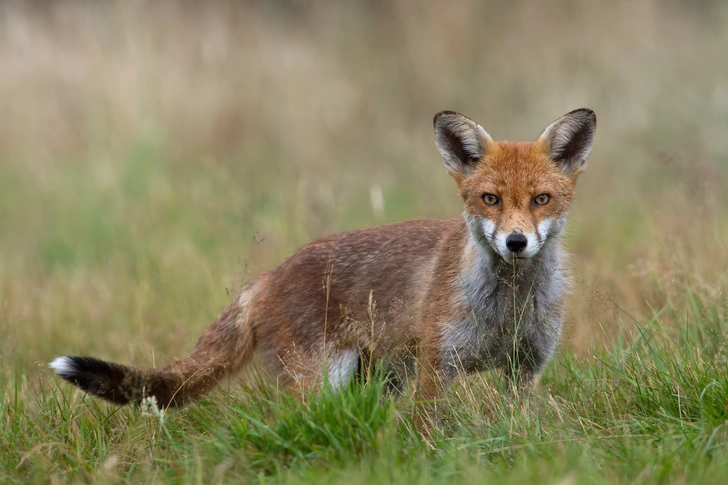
x=430 y=299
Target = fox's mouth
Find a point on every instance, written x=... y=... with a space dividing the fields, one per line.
x=515 y=257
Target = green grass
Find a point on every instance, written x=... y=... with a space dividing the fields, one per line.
x=653 y=410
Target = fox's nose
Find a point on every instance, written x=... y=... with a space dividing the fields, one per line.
x=516 y=242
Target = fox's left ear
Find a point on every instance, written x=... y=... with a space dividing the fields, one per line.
x=569 y=140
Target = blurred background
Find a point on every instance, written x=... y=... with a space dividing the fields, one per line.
x=156 y=154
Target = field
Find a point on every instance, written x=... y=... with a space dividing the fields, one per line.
x=155 y=155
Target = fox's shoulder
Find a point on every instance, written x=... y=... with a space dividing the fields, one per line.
x=408 y=234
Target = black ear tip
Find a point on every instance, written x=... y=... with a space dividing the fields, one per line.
x=585 y=113
x=445 y=113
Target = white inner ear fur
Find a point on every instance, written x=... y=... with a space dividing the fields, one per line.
x=461 y=142
x=570 y=139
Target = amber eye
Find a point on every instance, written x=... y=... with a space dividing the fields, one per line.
x=490 y=199
x=542 y=199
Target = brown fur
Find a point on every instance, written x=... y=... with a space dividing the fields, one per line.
x=398 y=290
x=519 y=170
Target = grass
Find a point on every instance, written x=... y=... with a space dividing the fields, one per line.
x=155 y=157
x=653 y=410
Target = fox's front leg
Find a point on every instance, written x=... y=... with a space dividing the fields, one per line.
x=525 y=364
x=432 y=382
x=429 y=392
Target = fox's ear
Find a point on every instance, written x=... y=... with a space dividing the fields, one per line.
x=569 y=140
x=461 y=141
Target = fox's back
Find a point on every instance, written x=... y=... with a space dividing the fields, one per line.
x=375 y=275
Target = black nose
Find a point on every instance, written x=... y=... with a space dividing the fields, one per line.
x=516 y=242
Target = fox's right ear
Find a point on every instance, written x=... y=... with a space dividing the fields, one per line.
x=461 y=141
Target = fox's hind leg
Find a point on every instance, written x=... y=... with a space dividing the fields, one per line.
x=303 y=370
x=397 y=370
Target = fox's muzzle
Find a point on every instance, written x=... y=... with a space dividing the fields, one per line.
x=516 y=242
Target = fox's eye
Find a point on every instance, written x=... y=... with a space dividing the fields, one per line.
x=542 y=199
x=490 y=199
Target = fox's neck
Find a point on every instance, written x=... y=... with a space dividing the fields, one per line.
x=486 y=274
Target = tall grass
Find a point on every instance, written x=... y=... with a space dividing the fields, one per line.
x=652 y=410
x=155 y=155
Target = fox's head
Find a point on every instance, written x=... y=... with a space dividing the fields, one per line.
x=516 y=195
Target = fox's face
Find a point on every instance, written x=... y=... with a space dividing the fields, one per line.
x=516 y=195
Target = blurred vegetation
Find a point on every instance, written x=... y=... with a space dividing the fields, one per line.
x=155 y=154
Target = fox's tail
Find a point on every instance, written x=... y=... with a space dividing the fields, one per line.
x=223 y=349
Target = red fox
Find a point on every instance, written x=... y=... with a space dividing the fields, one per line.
x=431 y=298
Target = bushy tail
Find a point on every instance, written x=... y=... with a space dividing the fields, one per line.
x=223 y=349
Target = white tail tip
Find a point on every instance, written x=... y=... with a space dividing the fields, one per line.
x=63 y=366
